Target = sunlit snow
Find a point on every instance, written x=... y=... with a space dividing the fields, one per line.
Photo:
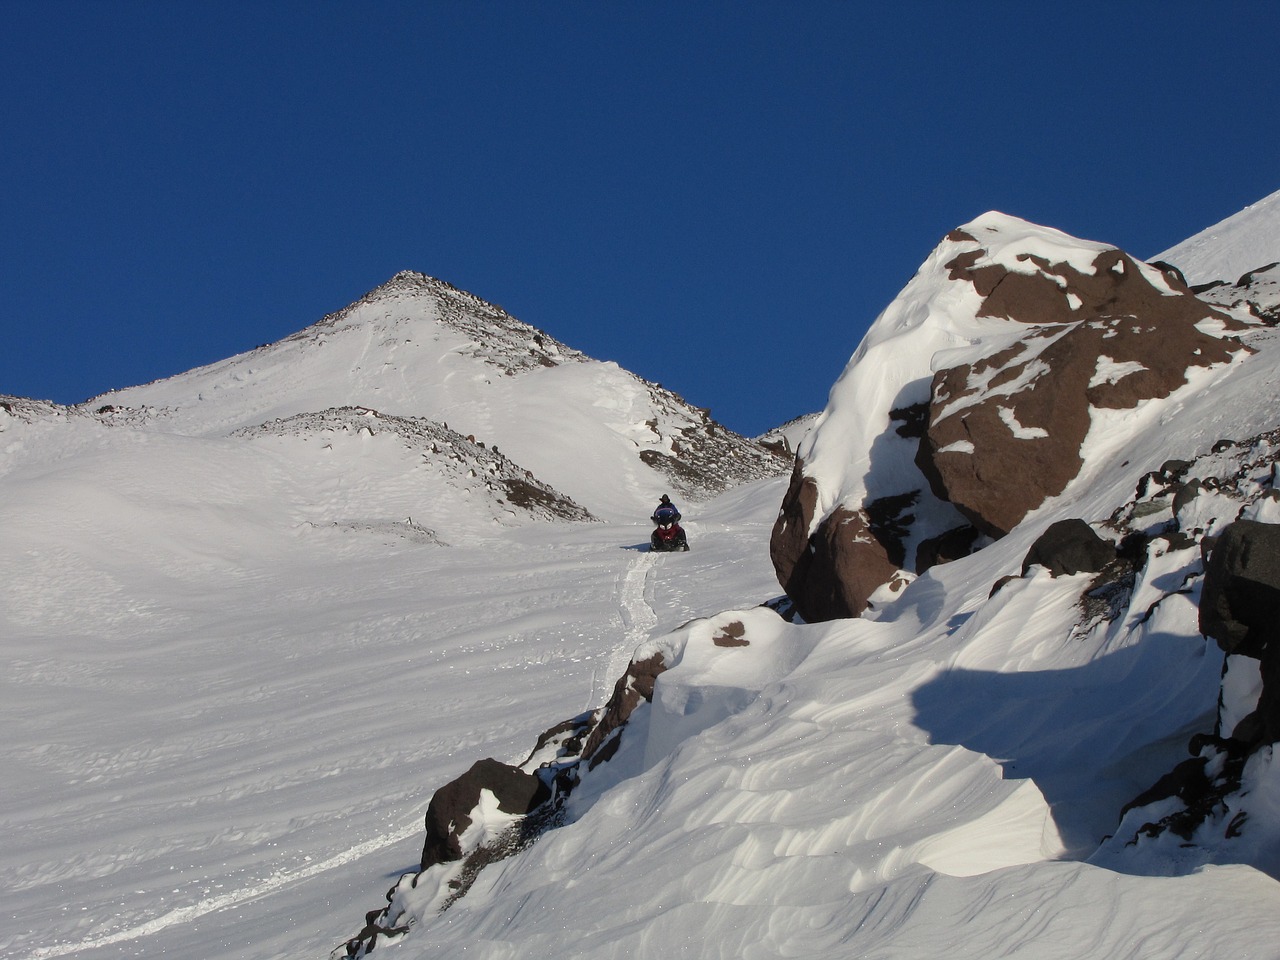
x=236 y=667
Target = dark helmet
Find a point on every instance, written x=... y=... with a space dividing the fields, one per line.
x=664 y=499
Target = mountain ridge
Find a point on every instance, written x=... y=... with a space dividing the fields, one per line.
x=417 y=346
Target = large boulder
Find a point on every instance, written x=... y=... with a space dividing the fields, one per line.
x=1069 y=547
x=1240 y=609
x=449 y=813
x=1005 y=430
x=967 y=403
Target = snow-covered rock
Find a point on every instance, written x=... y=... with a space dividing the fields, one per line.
x=971 y=398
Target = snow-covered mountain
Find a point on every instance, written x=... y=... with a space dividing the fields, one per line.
x=418 y=347
x=242 y=666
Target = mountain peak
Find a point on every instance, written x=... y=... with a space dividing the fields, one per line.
x=411 y=283
x=410 y=297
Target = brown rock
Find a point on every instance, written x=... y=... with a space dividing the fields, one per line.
x=634 y=686
x=732 y=635
x=971 y=455
x=449 y=813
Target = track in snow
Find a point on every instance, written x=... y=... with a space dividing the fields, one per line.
x=635 y=608
x=222 y=901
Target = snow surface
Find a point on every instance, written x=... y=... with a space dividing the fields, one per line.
x=1230 y=248
x=225 y=714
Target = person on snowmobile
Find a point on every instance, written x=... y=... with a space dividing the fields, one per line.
x=666 y=510
x=667 y=534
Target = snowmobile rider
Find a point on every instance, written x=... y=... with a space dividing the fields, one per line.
x=665 y=511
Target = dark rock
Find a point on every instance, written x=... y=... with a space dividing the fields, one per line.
x=449 y=813
x=913 y=420
x=1248 y=278
x=834 y=572
x=1069 y=547
x=971 y=455
x=1186 y=493
x=945 y=547
x=633 y=687
x=1172 y=274
x=890 y=524
x=1240 y=603
x=1240 y=610
x=995 y=587
x=732 y=635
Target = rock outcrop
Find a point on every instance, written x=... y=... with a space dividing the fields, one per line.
x=449 y=813
x=1213 y=528
x=1240 y=609
x=970 y=399
x=1069 y=547
x=532 y=794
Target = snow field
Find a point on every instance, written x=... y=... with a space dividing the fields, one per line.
x=217 y=692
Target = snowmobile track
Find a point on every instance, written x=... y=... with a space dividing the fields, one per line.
x=635 y=610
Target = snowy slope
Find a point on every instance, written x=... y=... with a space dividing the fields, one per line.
x=1225 y=251
x=224 y=720
x=877 y=788
x=941 y=774
x=418 y=347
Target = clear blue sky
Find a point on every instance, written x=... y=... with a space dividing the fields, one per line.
x=718 y=196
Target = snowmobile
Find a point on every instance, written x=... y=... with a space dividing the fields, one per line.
x=668 y=536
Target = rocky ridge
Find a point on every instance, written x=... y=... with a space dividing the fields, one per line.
x=461 y=462
x=498 y=339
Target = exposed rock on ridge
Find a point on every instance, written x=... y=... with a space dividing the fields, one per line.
x=499 y=339
x=460 y=461
x=1211 y=528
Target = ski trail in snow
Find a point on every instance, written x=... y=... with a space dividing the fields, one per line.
x=635 y=607
x=196 y=910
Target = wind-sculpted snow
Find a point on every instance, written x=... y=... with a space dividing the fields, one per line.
x=970 y=400
x=674 y=688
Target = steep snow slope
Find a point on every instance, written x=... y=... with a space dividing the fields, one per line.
x=940 y=774
x=1225 y=251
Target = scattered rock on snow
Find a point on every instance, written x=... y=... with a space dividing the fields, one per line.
x=1069 y=547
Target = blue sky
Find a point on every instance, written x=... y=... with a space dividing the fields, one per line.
x=718 y=196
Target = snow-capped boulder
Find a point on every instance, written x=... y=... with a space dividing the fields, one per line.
x=968 y=401
x=1005 y=430
x=451 y=810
